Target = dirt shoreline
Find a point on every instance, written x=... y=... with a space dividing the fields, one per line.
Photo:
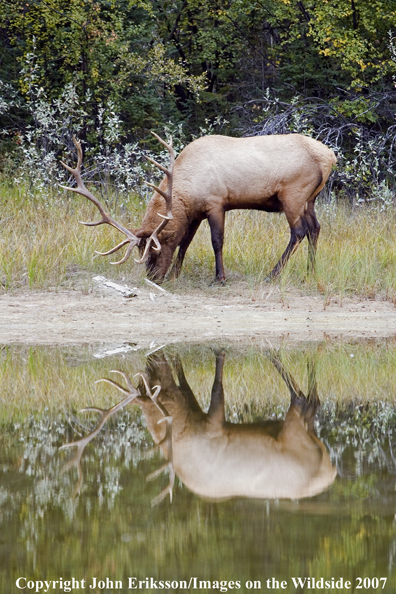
x=154 y=317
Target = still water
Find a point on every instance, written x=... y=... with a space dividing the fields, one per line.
x=199 y=468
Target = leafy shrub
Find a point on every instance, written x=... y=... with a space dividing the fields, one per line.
x=361 y=131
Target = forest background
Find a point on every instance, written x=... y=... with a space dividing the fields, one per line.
x=110 y=71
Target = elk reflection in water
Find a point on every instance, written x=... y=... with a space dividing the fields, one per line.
x=217 y=459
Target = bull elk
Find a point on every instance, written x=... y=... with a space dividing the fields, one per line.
x=214 y=174
x=217 y=459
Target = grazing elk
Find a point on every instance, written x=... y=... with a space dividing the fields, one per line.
x=214 y=174
x=217 y=459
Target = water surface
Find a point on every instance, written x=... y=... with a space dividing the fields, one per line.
x=284 y=467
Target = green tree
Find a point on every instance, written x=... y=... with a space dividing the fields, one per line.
x=106 y=49
x=355 y=34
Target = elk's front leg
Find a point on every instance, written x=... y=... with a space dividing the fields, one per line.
x=185 y=242
x=216 y=224
x=216 y=412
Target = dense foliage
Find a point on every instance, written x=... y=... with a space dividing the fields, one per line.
x=111 y=70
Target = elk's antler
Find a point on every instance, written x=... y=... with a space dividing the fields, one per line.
x=80 y=444
x=131 y=238
x=153 y=240
x=106 y=218
x=131 y=393
x=167 y=440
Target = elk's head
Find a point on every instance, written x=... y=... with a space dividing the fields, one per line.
x=157 y=262
x=157 y=258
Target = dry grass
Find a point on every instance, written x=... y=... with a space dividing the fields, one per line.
x=43 y=247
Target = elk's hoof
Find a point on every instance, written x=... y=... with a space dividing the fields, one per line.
x=217 y=282
x=269 y=278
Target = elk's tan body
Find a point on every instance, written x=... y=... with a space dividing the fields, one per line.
x=220 y=172
x=234 y=461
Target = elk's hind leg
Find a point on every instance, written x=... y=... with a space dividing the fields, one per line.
x=297 y=234
x=312 y=235
x=299 y=209
x=306 y=405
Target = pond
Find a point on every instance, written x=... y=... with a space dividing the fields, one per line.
x=212 y=467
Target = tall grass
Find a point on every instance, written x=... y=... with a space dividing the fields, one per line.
x=356 y=253
x=42 y=247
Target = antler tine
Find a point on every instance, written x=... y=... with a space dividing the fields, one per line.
x=168 y=172
x=152 y=239
x=127 y=379
x=167 y=441
x=164 y=169
x=162 y=141
x=106 y=218
x=166 y=194
x=154 y=395
x=75 y=461
x=114 y=249
x=145 y=380
x=162 y=495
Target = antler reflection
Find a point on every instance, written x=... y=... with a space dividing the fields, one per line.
x=131 y=393
x=80 y=444
x=166 y=441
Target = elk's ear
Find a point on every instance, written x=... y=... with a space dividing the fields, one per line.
x=141 y=234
